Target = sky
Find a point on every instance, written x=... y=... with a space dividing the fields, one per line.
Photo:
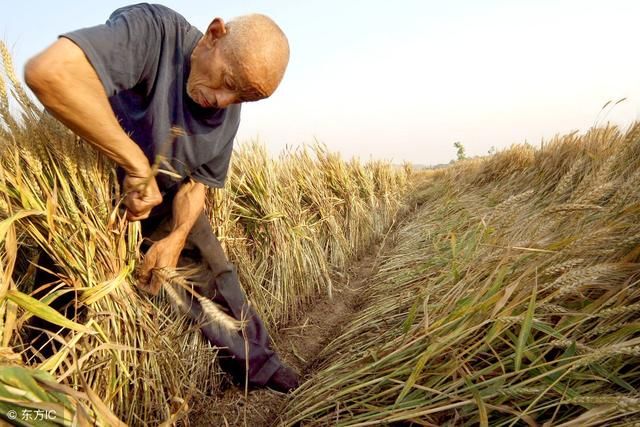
x=404 y=80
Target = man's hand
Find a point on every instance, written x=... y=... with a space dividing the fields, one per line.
x=188 y=204
x=162 y=254
x=142 y=195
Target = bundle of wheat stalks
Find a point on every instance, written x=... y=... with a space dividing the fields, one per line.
x=286 y=223
x=512 y=299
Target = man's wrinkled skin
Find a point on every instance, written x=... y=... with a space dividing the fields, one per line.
x=237 y=62
x=241 y=61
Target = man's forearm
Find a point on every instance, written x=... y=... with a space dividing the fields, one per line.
x=187 y=206
x=66 y=83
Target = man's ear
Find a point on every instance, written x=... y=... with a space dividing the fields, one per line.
x=216 y=29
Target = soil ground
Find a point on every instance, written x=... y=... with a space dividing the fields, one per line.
x=298 y=345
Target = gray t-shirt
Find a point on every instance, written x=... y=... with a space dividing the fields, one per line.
x=142 y=56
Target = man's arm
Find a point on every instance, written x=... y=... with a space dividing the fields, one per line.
x=188 y=204
x=68 y=86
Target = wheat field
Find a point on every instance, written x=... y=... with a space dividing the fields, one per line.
x=512 y=298
x=508 y=297
x=288 y=223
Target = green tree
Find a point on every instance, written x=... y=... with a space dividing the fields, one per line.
x=460 y=150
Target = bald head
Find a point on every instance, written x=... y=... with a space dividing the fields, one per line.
x=258 y=52
x=243 y=60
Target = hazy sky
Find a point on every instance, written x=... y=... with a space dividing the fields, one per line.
x=404 y=80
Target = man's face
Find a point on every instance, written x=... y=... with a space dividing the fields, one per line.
x=241 y=62
x=211 y=82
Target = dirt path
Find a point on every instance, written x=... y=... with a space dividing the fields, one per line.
x=298 y=345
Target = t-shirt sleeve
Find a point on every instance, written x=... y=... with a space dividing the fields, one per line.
x=123 y=50
x=214 y=172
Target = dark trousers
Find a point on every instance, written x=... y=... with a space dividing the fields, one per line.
x=241 y=352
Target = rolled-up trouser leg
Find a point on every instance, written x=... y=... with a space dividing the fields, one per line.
x=252 y=343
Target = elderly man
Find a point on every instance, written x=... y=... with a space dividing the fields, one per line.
x=122 y=86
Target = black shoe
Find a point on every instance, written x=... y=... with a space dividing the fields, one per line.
x=284 y=380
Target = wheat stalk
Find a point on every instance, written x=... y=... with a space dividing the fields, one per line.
x=571 y=207
x=567 y=179
x=562 y=267
x=214 y=314
x=616 y=311
x=9 y=70
x=571 y=281
x=624 y=403
x=177 y=285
